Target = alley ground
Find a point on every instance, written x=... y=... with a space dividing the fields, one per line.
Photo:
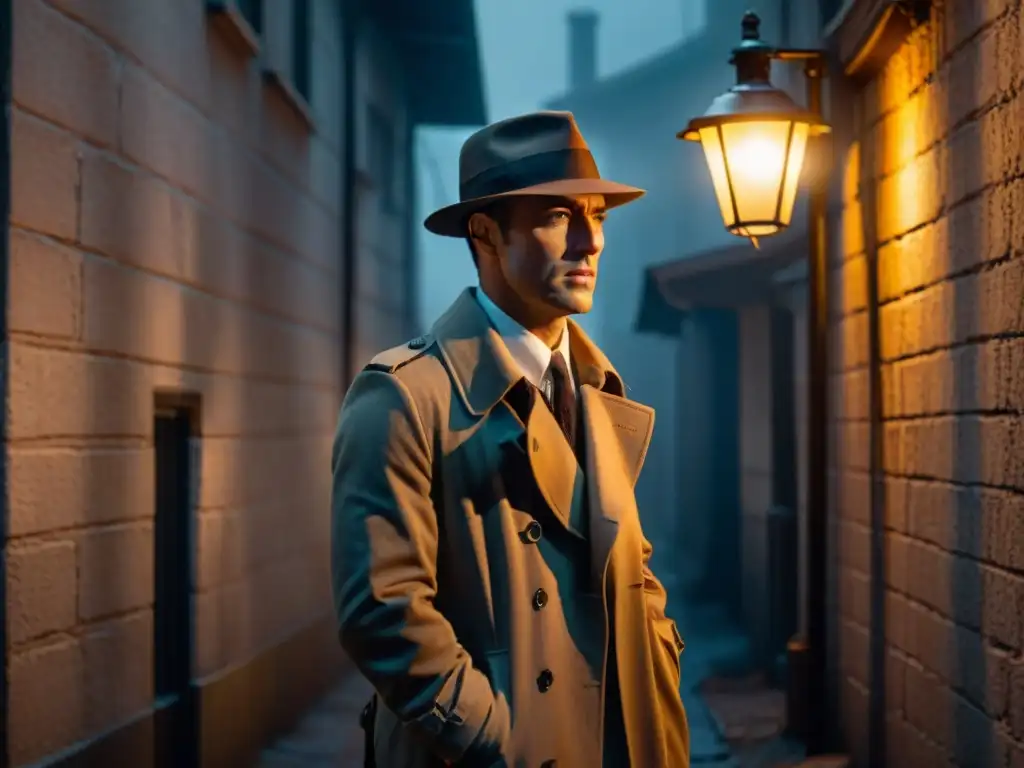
x=734 y=723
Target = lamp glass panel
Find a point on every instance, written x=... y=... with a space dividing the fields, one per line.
x=710 y=140
x=755 y=155
x=794 y=164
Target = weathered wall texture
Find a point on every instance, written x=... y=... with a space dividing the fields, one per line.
x=934 y=206
x=175 y=226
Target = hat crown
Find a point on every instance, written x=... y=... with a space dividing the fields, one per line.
x=517 y=138
x=540 y=153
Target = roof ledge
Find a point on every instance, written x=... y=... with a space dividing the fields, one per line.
x=865 y=33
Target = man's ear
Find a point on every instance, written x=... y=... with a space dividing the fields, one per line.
x=485 y=233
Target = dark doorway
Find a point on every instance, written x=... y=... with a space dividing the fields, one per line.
x=176 y=711
x=724 y=578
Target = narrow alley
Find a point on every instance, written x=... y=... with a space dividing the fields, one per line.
x=798 y=372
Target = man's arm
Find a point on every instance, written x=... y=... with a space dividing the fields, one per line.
x=384 y=553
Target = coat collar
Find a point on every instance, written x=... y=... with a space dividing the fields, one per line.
x=482 y=368
x=617 y=432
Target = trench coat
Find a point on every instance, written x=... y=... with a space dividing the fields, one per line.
x=448 y=477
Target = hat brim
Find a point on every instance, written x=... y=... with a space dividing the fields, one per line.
x=451 y=221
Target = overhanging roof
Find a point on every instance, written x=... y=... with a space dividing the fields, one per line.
x=440 y=47
x=723 y=277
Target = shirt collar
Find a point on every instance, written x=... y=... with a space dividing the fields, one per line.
x=527 y=351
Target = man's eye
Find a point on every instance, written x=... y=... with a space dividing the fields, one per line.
x=557 y=217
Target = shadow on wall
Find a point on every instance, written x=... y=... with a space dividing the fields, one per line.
x=873 y=750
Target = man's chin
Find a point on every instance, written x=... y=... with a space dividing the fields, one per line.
x=570 y=301
x=578 y=303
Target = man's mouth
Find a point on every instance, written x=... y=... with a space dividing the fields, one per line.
x=582 y=277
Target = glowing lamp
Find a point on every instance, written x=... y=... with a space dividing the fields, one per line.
x=754 y=138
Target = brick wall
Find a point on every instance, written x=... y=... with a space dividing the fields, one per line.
x=174 y=226
x=933 y=202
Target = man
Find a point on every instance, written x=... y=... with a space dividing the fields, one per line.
x=490 y=574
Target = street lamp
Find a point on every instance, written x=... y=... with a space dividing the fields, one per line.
x=754 y=138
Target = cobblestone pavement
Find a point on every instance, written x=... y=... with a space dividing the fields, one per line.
x=750 y=716
x=329 y=735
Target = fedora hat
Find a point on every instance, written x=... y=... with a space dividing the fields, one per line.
x=541 y=153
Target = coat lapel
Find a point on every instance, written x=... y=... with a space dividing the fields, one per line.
x=617 y=434
x=481 y=368
x=484 y=375
x=555 y=470
x=616 y=431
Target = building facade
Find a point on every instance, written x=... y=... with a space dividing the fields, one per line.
x=210 y=227
x=927 y=367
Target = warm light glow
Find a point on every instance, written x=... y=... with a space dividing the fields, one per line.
x=710 y=140
x=755 y=168
x=907 y=170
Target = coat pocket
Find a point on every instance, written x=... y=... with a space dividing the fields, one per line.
x=395 y=746
x=669 y=641
x=499 y=673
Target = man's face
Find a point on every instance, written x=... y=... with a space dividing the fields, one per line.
x=550 y=253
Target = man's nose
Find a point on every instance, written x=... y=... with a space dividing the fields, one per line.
x=585 y=238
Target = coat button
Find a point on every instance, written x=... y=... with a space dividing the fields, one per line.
x=531 y=533
x=540 y=599
x=544 y=680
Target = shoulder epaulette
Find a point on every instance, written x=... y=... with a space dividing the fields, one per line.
x=391 y=360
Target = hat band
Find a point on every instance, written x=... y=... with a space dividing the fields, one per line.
x=541 y=168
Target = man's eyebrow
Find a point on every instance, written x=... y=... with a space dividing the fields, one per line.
x=560 y=202
x=575 y=207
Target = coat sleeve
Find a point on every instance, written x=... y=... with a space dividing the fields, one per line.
x=383 y=552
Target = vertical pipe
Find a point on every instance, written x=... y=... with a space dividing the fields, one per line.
x=582 y=48
x=6 y=38
x=817 y=437
x=877 y=737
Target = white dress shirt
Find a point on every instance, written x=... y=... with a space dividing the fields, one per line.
x=528 y=352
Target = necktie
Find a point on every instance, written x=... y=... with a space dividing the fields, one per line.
x=563 y=398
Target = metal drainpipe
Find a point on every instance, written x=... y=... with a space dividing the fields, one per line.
x=816 y=631
x=6 y=37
